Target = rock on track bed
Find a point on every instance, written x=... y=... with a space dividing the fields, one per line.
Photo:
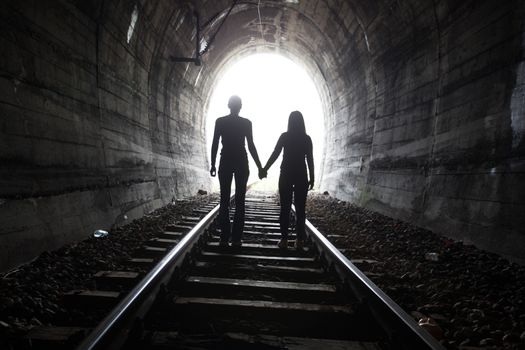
x=476 y=297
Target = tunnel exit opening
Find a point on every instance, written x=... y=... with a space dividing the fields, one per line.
x=271 y=86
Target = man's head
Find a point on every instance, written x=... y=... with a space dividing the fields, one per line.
x=235 y=104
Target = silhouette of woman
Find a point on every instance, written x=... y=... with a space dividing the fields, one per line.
x=233 y=130
x=293 y=180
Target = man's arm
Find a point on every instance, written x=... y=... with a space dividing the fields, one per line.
x=214 y=148
x=310 y=162
x=251 y=146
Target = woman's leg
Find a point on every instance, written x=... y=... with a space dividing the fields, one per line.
x=285 y=194
x=225 y=179
x=300 y=193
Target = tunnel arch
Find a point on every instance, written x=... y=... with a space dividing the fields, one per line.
x=228 y=50
x=423 y=103
x=314 y=56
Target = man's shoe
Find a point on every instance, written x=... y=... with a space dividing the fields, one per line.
x=299 y=244
x=223 y=244
x=283 y=243
x=237 y=244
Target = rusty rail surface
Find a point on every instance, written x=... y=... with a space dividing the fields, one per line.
x=401 y=329
x=112 y=331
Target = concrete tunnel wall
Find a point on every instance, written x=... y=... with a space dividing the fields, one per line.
x=424 y=103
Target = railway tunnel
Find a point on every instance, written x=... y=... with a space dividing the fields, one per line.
x=104 y=104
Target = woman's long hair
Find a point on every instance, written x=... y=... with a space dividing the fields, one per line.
x=296 y=123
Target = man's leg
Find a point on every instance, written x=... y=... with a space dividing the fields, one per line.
x=285 y=196
x=225 y=180
x=241 y=179
x=300 y=193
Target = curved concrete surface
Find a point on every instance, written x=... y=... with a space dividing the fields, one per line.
x=424 y=104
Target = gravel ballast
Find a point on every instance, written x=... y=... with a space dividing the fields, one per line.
x=476 y=297
x=32 y=295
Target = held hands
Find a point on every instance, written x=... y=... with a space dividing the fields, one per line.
x=213 y=171
x=263 y=173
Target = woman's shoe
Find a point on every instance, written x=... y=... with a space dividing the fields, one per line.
x=283 y=243
x=299 y=244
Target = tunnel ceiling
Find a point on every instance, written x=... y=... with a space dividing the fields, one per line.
x=423 y=102
x=308 y=32
x=393 y=76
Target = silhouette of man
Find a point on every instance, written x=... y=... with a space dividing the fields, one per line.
x=233 y=130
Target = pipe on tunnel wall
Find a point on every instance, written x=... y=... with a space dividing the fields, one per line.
x=97 y=124
x=423 y=100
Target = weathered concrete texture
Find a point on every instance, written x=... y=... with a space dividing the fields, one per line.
x=96 y=124
x=445 y=148
x=424 y=104
x=423 y=101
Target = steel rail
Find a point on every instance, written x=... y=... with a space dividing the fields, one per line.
x=113 y=330
x=400 y=327
x=138 y=301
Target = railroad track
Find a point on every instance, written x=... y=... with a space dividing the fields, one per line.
x=202 y=296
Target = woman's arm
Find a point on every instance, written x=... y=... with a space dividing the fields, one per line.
x=310 y=162
x=275 y=153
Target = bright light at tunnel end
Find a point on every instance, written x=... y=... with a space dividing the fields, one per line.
x=271 y=86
